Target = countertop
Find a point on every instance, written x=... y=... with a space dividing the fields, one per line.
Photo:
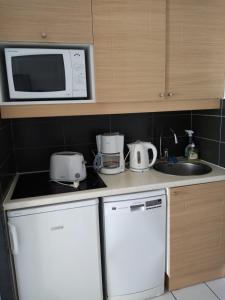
x=123 y=183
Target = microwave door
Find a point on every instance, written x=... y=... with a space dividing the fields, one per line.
x=40 y=75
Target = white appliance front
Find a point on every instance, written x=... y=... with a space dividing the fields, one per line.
x=46 y=73
x=56 y=252
x=134 y=244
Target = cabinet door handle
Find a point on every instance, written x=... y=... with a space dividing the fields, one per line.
x=161 y=95
x=170 y=94
x=13 y=239
x=44 y=35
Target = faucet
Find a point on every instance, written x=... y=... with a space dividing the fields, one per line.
x=166 y=153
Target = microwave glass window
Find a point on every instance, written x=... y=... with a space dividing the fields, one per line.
x=39 y=73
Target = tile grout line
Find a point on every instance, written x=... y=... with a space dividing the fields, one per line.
x=64 y=135
x=153 y=125
x=110 y=123
x=174 y=296
x=12 y=133
x=4 y=161
x=212 y=291
x=207 y=139
x=206 y=115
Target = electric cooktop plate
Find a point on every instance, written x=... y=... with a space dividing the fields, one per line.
x=39 y=184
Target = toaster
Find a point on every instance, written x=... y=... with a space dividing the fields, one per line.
x=67 y=166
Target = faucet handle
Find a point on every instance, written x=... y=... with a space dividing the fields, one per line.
x=175 y=136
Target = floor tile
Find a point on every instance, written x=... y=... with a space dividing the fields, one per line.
x=218 y=287
x=196 y=292
x=166 y=296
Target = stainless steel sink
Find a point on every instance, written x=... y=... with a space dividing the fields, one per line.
x=183 y=168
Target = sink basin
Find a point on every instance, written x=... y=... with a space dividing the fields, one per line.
x=183 y=168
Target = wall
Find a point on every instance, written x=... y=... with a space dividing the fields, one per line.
x=209 y=127
x=6 y=172
x=35 y=139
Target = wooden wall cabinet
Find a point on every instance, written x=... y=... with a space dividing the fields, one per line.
x=197 y=234
x=129 y=45
x=195 y=49
x=147 y=50
x=67 y=21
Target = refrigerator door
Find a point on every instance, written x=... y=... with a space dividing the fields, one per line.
x=57 y=254
x=134 y=242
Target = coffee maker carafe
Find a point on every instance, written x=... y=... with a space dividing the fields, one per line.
x=110 y=157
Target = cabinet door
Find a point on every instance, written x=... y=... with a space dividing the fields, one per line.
x=195 y=53
x=129 y=43
x=197 y=234
x=46 y=21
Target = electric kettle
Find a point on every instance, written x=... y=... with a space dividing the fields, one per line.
x=139 y=158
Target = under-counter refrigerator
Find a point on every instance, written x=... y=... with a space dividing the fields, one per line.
x=56 y=251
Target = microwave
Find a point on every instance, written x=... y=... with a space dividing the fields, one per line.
x=39 y=73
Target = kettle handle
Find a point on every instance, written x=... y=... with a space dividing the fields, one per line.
x=154 y=151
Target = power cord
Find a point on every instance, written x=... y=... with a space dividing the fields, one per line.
x=74 y=185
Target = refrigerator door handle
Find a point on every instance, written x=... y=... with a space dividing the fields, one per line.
x=13 y=239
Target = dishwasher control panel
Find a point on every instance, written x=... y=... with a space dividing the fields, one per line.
x=153 y=203
x=145 y=204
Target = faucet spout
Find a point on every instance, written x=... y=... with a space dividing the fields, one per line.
x=160 y=144
x=175 y=136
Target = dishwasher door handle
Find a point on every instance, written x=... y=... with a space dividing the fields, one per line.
x=13 y=239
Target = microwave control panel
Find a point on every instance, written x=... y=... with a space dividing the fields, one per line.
x=79 y=73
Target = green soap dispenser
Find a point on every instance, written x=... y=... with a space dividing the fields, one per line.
x=190 y=150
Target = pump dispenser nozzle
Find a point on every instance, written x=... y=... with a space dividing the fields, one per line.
x=189 y=132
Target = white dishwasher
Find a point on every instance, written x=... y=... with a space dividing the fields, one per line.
x=134 y=233
x=56 y=251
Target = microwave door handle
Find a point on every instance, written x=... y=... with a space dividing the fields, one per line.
x=13 y=239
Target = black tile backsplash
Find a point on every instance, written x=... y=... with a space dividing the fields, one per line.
x=83 y=129
x=133 y=126
x=209 y=127
x=223 y=129
x=206 y=126
x=208 y=149
x=178 y=122
x=6 y=174
x=34 y=159
x=6 y=156
x=222 y=155
x=207 y=112
x=35 y=139
x=41 y=132
x=7 y=170
x=223 y=107
x=5 y=140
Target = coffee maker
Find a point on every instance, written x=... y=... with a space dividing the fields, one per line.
x=110 y=157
